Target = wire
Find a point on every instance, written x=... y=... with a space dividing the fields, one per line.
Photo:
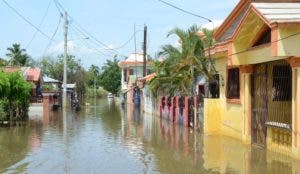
x=26 y=20
x=283 y=38
x=61 y=8
x=128 y=41
x=185 y=11
x=75 y=29
x=53 y=35
x=40 y=24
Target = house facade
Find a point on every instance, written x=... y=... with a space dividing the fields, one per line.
x=132 y=71
x=257 y=55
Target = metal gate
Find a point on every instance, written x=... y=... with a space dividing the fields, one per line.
x=271 y=102
x=259 y=104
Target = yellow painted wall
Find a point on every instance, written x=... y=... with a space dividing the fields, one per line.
x=289 y=46
x=221 y=117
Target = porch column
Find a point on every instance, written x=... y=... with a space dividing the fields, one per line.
x=295 y=64
x=246 y=71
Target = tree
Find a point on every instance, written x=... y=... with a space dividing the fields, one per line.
x=17 y=56
x=93 y=75
x=110 y=77
x=3 y=62
x=75 y=72
x=15 y=95
x=177 y=73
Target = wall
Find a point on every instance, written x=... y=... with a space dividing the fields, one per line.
x=289 y=46
x=221 y=117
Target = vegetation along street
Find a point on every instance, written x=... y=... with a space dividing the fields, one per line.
x=155 y=86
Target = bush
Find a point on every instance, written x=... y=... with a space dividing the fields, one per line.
x=14 y=96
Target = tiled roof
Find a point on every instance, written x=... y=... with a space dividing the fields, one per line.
x=279 y=12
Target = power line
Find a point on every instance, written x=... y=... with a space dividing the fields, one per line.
x=40 y=24
x=185 y=11
x=53 y=35
x=128 y=41
x=26 y=20
x=83 y=39
x=60 y=7
x=283 y=38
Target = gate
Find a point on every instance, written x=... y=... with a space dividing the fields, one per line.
x=259 y=104
x=272 y=102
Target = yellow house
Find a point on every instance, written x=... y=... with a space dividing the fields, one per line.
x=257 y=56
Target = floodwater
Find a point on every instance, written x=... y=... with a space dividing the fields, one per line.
x=106 y=138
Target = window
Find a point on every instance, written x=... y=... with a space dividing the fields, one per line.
x=233 y=83
x=214 y=86
x=264 y=38
x=282 y=83
x=131 y=72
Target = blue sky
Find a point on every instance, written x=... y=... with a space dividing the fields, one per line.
x=110 y=21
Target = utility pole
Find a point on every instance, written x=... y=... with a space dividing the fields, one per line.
x=145 y=52
x=135 y=54
x=65 y=61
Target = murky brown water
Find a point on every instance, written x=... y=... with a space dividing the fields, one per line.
x=104 y=138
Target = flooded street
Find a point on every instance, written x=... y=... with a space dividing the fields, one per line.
x=106 y=138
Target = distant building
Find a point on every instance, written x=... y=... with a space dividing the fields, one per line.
x=132 y=70
x=33 y=75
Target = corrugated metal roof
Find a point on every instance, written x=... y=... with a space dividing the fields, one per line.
x=50 y=80
x=279 y=12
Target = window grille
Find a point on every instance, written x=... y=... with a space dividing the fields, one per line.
x=233 y=83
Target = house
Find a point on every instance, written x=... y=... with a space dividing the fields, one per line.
x=53 y=87
x=132 y=70
x=258 y=56
x=32 y=75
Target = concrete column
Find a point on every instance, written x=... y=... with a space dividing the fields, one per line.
x=186 y=111
x=295 y=64
x=246 y=72
x=296 y=113
x=176 y=109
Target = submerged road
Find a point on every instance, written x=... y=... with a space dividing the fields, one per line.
x=106 y=138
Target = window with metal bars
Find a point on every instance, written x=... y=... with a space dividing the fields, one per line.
x=282 y=83
x=233 y=83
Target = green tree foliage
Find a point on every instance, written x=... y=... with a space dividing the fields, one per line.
x=75 y=72
x=3 y=62
x=15 y=95
x=93 y=76
x=176 y=74
x=17 y=56
x=110 y=77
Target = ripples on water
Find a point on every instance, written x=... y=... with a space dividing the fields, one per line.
x=106 y=138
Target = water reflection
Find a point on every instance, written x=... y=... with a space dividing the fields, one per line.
x=106 y=138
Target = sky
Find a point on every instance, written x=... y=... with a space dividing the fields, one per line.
x=109 y=21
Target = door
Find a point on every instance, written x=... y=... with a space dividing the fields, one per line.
x=259 y=104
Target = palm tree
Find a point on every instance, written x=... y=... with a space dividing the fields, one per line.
x=17 y=56
x=176 y=75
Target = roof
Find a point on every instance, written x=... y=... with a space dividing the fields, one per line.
x=148 y=77
x=134 y=59
x=50 y=80
x=71 y=86
x=30 y=74
x=33 y=74
x=279 y=12
x=229 y=25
